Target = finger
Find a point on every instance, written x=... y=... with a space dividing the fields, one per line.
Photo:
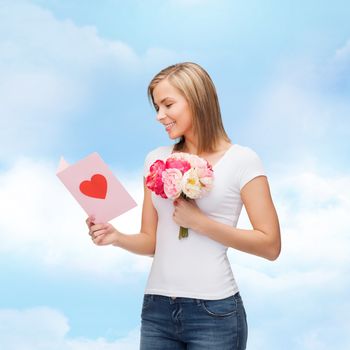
x=97 y=239
x=90 y=218
x=97 y=230
x=94 y=235
x=99 y=233
x=89 y=222
x=96 y=227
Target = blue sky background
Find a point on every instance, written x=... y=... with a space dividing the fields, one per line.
x=73 y=80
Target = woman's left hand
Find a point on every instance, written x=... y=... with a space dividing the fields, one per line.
x=187 y=213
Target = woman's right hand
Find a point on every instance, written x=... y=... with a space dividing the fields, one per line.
x=102 y=233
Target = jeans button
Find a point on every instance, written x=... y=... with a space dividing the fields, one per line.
x=173 y=298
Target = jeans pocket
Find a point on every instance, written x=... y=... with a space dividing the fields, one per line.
x=220 y=308
x=147 y=301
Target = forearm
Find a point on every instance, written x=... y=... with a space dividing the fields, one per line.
x=250 y=241
x=139 y=243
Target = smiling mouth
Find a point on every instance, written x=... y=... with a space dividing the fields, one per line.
x=169 y=126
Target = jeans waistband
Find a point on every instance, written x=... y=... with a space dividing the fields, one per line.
x=172 y=300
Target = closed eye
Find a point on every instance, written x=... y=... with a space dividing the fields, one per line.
x=167 y=106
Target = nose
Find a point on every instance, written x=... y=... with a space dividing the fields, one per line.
x=160 y=115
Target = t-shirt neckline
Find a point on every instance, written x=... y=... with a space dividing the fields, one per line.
x=220 y=159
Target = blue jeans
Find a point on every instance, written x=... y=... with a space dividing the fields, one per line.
x=193 y=324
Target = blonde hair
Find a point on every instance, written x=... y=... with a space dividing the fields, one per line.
x=195 y=84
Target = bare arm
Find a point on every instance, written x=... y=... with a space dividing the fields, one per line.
x=264 y=239
x=145 y=241
x=142 y=243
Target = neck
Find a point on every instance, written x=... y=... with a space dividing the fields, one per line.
x=192 y=147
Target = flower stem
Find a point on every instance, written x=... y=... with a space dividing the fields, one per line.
x=183 y=232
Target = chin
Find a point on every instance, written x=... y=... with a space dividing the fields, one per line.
x=173 y=136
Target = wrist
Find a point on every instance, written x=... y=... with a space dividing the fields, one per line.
x=116 y=241
x=202 y=225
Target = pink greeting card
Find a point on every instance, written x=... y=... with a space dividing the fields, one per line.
x=96 y=189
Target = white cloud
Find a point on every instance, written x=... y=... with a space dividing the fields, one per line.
x=338 y=71
x=51 y=70
x=52 y=230
x=287 y=114
x=46 y=66
x=343 y=53
x=32 y=39
x=312 y=210
x=302 y=112
x=302 y=295
x=44 y=328
x=51 y=43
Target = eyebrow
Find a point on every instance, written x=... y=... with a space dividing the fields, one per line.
x=164 y=99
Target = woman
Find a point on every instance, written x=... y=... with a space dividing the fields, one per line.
x=191 y=299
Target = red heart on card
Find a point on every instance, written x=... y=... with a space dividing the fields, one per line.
x=96 y=187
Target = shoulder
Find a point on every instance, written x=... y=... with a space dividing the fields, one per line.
x=245 y=152
x=249 y=165
x=244 y=155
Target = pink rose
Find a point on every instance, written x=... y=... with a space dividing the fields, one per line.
x=172 y=182
x=154 y=180
x=198 y=162
x=181 y=175
x=180 y=164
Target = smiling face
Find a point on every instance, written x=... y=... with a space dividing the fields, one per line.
x=173 y=110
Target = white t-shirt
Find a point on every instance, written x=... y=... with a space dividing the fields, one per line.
x=197 y=266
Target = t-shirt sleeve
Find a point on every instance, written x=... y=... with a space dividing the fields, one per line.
x=251 y=167
x=148 y=162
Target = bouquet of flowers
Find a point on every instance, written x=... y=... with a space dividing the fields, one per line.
x=181 y=174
